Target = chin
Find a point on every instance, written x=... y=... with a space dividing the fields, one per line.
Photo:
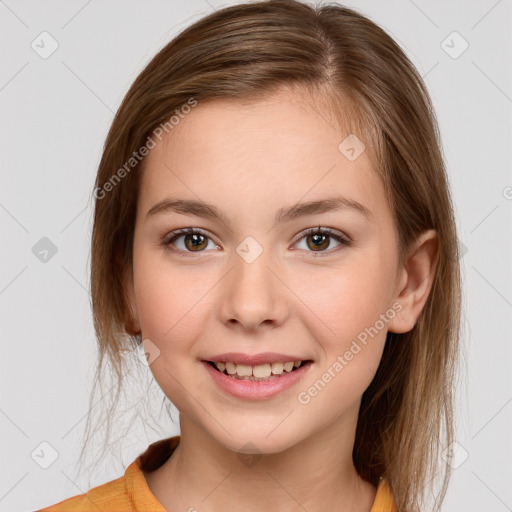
x=258 y=442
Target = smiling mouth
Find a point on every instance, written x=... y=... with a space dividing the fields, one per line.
x=263 y=372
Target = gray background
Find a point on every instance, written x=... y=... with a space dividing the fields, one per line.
x=55 y=113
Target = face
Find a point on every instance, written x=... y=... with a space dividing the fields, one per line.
x=254 y=282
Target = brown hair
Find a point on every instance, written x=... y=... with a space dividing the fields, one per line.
x=246 y=52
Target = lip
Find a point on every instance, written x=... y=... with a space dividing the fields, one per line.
x=250 y=390
x=255 y=359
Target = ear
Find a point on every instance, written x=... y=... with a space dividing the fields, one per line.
x=132 y=325
x=415 y=280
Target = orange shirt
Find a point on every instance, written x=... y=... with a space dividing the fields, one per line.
x=131 y=492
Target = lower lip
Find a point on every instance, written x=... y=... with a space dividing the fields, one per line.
x=256 y=390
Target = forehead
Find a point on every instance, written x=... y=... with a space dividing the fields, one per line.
x=273 y=151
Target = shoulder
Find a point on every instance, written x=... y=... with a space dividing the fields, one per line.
x=107 y=497
x=384 y=499
x=128 y=492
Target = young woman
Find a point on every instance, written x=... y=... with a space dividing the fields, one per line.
x=273 y=225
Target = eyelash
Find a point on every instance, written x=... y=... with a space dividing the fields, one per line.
x=311 y=231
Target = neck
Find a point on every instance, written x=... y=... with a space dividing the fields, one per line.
x=316 y=474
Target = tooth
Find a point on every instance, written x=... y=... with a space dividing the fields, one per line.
x=262 y=370
x=277 y=368
x=231 y=368
x=244 y=370
x=288 y=367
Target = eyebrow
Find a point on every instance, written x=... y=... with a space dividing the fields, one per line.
x=203 y=209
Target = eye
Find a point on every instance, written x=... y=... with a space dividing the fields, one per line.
x=194 y=240
x=318 y=239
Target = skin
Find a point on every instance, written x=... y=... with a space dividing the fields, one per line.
x=250 y=160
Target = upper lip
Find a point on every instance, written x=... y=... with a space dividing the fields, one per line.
x=255 y=359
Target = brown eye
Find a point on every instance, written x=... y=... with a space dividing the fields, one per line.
x=193 y=241
x=319 y=239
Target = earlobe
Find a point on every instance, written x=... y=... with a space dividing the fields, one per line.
x=132 y=325
x=415 y=281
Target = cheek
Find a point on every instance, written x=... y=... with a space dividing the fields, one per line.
x=171 y=314
x=345 y=300
x=165 y=297
x=344 y=314
x=174 y=301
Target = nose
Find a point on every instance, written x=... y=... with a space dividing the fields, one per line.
x=252 y=295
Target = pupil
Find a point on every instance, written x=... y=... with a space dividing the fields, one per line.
x=318 y=241
x=196 y=240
